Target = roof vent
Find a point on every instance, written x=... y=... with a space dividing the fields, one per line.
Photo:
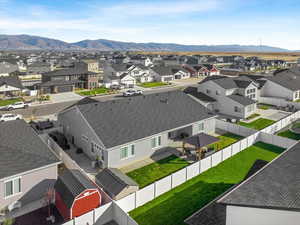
x=164 y=101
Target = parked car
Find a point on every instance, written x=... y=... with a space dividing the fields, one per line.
x=132 y=92
x=10 y=117
x=17 y=105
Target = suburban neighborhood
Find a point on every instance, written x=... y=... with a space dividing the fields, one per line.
x=149 y=112
x=131 y=131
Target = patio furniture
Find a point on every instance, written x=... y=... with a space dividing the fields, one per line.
x=200 y=141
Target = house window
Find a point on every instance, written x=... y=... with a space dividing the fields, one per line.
x=85 y=138
x=237 y=109
x=217 y=93
x=127 y=152
x=95 y=147
x=12 y=187
x=200 y=127
x=156 y=142
x=207 y=91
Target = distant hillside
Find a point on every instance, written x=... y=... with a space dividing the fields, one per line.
x=28 y=42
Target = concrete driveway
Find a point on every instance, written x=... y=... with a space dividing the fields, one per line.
x=65 y=97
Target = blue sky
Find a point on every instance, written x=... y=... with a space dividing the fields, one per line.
x=211 y=22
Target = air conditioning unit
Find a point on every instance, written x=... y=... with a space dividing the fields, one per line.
x=14 y=205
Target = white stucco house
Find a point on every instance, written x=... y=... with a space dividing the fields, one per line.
x=232 y=97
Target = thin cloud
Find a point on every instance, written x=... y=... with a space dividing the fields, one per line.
x=163 y=8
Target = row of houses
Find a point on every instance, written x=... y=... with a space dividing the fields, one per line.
x=237 y=96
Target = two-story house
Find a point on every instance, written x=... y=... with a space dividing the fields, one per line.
x=120 y=132
x=28 y=169
x=141 y=73
x=283 y=85
x=235 y=97
x=66 y=80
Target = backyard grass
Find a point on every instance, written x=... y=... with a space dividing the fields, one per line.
x=95 y=91
x=225 y=140
x=9 y=101
x=176 y=205
x=157 y=170
x=264 y=106
x=289 y=134
x=258 y=124
x=153 y=84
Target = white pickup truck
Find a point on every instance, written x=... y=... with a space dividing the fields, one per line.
x=17 y=105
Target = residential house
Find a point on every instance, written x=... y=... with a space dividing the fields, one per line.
x=127 y=80
x=66 y=80
x=6 y=68
x=28 y=169
x=10 y=85
x=38 y=68
x=169 y=73
x=122 y=131
x=268 y=197
x=206 y=70
x=90 y=65
x=148 y=62
x=141 y=73
x=283 y=85
x=235 y=97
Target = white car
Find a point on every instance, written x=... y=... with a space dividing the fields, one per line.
x=10 y=117
x=17 y=105
x=132 y=92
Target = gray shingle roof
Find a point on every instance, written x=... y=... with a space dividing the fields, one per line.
x=241 y=100
x=13 y=81
x=121 y=121
x=21 y=149
x=199 y=95
x=287 y=80
x=276 y=186
x=71 y=71
x=71 y=184
x=113 y=181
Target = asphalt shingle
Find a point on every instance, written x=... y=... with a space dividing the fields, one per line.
x=21 y=149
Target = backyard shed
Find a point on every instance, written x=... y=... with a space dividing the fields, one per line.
x=115 y=183
x=75 y=195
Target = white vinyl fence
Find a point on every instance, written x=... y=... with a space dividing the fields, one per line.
x=117 y=211
x=234 y=128
x=279 y=102
x=166 y=184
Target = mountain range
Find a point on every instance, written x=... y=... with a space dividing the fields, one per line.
x=29 y=42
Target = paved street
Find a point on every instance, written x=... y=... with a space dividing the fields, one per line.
x=45 y=110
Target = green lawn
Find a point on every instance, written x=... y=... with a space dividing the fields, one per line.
x=289 y=134
x=176 y=205
x=155 y=171
x=9 y=101
x=264 y=106
x=95 y=91
x=258 y=124
x=225 y=140
x=153 y=84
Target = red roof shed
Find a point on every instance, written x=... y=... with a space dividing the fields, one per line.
x=75 y=195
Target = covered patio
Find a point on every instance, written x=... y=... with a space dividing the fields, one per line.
x=197 y=145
